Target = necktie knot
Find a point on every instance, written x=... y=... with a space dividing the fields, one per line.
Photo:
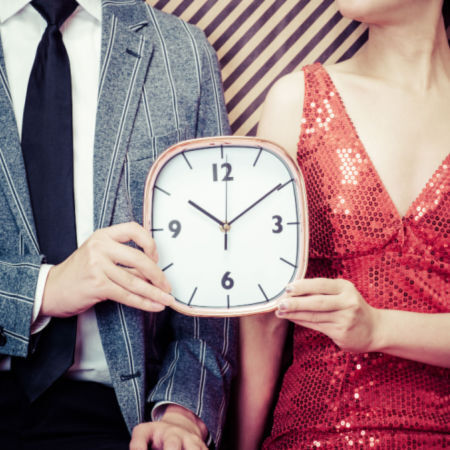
x=55 y=12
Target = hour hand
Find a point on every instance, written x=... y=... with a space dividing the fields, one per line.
x=220 y=222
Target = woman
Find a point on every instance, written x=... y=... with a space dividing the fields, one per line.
x=371 y=353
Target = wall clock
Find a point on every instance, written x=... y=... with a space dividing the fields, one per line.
x=229 y=218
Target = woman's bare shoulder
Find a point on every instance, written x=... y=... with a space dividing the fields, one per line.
x=282 y=112
x=288 y=91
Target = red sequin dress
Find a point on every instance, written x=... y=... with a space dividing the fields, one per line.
x=335 y=399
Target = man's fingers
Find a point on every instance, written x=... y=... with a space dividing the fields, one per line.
x=142 y=436
x=164 y=436
x=121 y=295
x=131 y=231
x=172 y=442
x=131 y=257
x=136 y=285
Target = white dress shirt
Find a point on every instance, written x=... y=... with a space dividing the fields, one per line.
x=21 y=29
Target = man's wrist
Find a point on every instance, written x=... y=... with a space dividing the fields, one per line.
x=38 y=321
x=185 y=418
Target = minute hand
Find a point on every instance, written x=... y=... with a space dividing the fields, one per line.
x=255 y=203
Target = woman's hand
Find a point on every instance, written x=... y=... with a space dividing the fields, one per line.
x=335 y=308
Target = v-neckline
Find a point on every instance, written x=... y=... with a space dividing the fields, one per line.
x=409 y=211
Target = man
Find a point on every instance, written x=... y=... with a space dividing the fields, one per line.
x=141 y=80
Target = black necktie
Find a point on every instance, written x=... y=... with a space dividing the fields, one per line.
x=47 y=147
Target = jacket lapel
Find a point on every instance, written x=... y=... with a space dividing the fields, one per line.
x=13 y=180
x=125 y=59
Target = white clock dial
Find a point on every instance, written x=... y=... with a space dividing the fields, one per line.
x=228 y=222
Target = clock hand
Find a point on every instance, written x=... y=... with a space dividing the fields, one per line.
x=206 y=213
x=225 y=235
x=255 y=203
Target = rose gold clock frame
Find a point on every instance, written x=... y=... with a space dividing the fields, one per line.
x=234 y=141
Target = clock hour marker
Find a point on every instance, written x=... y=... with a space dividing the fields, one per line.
x=293 y=223
x=285 y=184
x=263 y=293
x=228 y=301
x=221 y=151
x=187 y=161
x=287 y=262
x=192 y=296
x=165 y=268
x=256 y=160
x=162 y=190
x=157 y=229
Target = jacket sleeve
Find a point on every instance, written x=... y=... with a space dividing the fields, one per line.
x=198 y=368
x=200 y=361
x=18 y=280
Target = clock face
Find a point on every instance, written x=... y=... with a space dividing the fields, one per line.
x=228 y=216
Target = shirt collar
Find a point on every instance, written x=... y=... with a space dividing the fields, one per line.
x=11 y=7
x=93 y=7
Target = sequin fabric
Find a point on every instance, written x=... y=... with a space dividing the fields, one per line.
x=335 y=399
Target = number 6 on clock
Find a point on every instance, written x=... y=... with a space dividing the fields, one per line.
x=229 y=218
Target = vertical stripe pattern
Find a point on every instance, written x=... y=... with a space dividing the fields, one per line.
x=18 y=203
x=107 y=191
x=132 y=367
x=257 y=42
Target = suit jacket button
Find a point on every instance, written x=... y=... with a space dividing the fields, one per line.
x=3 y=337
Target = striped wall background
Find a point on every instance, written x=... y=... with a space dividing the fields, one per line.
x=257 y=41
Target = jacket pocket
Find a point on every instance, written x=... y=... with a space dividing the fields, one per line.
x=139 y=160
x=151 y=147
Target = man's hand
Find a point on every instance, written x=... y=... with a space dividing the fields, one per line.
x=105 y=268
x=179 y=429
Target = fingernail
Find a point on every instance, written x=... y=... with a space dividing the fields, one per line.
x=282 y=307
x=167 y=298
x=289 y=289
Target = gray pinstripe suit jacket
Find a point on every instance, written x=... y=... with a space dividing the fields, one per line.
x=159 y=84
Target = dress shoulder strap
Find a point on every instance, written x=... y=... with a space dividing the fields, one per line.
x=321 y=103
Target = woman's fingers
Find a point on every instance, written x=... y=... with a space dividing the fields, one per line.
x=322 y=286
x=319 y=303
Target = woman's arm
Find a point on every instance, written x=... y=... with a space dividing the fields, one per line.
x=417 y=336
x=261 y=348
x=263 y=336
x=337 y=309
